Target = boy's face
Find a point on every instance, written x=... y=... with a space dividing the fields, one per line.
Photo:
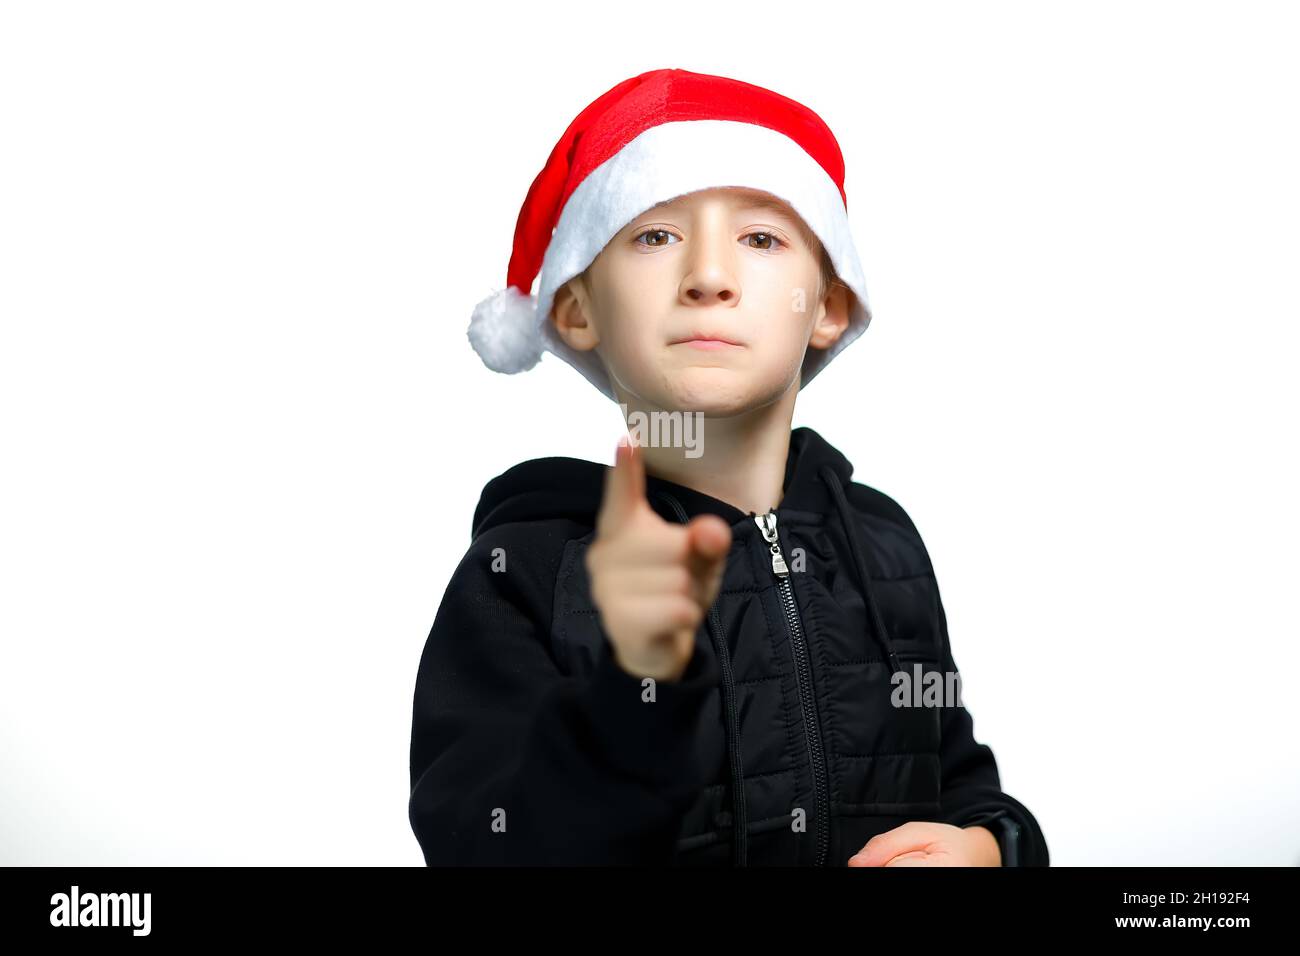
x=730 y=262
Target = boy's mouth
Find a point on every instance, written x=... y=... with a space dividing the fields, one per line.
x=708 y=340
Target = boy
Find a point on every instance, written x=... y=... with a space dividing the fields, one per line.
x=702 y=656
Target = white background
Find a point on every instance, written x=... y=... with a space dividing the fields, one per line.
x=244 y=433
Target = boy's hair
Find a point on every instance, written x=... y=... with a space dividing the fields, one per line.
x=828 y=277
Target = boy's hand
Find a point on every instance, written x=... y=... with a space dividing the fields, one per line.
x=652 y=581
x=930 y=844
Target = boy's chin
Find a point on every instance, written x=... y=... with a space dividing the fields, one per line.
x=716 y=392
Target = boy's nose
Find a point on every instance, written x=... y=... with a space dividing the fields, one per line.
x=711 y=273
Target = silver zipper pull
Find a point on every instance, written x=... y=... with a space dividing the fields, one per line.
x=768 y=527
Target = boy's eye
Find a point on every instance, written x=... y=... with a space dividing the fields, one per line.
x=661 y=237
x=768 y=237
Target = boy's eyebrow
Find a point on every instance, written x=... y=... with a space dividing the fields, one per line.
x=783 y=209
x=771 y=204
x=755 y=202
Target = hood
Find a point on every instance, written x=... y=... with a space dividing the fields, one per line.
x=573 y=488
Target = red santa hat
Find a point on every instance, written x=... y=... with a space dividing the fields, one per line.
x=652 y=138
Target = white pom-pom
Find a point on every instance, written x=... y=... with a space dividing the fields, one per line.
x=505 y=333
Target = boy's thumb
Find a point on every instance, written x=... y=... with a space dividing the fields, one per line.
x=624 y=489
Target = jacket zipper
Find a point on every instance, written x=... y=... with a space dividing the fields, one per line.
x=767 y=525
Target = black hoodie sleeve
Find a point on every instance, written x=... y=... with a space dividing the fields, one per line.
x=972 y=790
x=514 y=762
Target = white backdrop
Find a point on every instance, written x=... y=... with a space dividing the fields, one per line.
x=244 y=433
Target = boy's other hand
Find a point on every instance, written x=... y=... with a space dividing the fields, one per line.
x=652 y=581
x=919 y=843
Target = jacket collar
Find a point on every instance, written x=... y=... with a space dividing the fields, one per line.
x=562 y=487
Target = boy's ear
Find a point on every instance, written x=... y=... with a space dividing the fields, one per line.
x=569 y=314
x=832 y=316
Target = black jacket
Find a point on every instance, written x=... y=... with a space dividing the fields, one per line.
x=530 y=745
